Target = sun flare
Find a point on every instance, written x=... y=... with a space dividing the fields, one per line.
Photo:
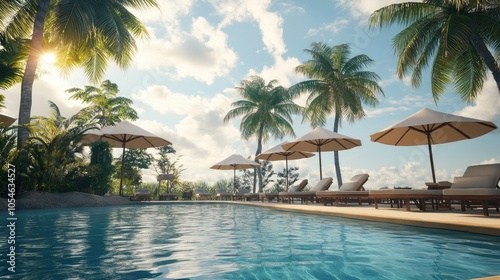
x=48 y=58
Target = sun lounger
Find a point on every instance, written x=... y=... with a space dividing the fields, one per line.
x=142 y=194
x=200 y=194
x=479 y=184
x=223 y=194
x=307 y=196
x=297 y=187
x=240 y=194
x=251 y=196
x=351 y=189
x=420 y=197
x=168 y=196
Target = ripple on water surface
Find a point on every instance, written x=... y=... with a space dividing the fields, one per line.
x=221 y=241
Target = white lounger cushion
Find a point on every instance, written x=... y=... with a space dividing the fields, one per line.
x=484 y=181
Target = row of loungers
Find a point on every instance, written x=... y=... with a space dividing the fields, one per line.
x=477 y=186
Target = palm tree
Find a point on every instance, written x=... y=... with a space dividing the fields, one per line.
x=85 y=33
x=339 y=85
x=267 y=112
x=458 y=35
x=106 y=108
x=13 y=53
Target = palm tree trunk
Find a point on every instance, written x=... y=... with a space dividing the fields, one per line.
x=30 y=70
x=336 y=153
x=259 y=150
x=27 y=89
x=488 y=58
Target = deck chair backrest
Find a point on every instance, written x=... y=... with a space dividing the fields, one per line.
x=355 y=183
x=298 y=187
x=479 y=176
x=322 y=185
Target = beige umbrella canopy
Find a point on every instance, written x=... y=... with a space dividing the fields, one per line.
x=320 y=139
x=427 y=127
x=125 y=135
x=6 y=120
x=278 y=153
x=234 y=162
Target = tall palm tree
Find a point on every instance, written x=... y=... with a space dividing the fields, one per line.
x=338 y=84
x=85 y=33
x=457 y=34
x=267 y=112
x=105 y=107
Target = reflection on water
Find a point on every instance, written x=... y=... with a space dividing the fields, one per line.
x=218 y=241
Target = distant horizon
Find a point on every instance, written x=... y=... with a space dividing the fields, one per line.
x=182 y=84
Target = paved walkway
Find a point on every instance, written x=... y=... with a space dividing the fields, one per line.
x=468 y=221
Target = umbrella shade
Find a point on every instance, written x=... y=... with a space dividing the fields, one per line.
x=125 y=135
x=321 y=140
x=427 y=127
x=278 y=153
x=234 y=162
x=6 y=120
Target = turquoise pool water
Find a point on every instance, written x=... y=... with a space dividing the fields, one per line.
x=222 y=241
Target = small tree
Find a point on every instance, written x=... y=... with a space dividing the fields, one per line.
x=135 y=160
x=293 y=176
x=267 y=173
x=101 y=168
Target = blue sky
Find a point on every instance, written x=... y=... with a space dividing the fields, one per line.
x=182 y=84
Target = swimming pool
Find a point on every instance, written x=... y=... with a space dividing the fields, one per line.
x=226 y=241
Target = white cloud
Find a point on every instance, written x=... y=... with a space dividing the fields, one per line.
x=270 y=24
x=362 y=8
x=202 y=54
x=329 y=28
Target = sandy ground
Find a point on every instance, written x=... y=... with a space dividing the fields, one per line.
x=43 y=200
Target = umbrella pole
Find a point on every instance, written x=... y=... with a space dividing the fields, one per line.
x=121 y=176
x=286 y=160
x=234 y=180
x=431 y=158
x=320 y=169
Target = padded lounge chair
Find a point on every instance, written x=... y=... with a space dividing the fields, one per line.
x=307 y=196
x=297 y=187
x=251 y=196
x=142 y=194
x=240 y=194
x=223 y=194
x=200 y=194
x=478 y=184
x=351 y=189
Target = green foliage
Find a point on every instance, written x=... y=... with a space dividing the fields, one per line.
x=166 y=165
x=293 y=176
x=267 y=173
x=100 y=168
x=7 y=154
x=459 y=39
x=13 y=54
x=105 y=108
x=224 y=185
x=134 y=161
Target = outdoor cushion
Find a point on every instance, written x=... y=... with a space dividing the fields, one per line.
x=484 y=169
x=298 y=187
x=322 y=185
x=474 y=182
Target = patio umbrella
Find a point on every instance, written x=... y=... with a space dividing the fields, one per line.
x=6 y=120
x=278 y=153
x=427 y=127
x=125 y=135
x=234 y=162
x=320 y=139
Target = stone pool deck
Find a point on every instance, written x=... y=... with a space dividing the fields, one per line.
x=468 y=221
